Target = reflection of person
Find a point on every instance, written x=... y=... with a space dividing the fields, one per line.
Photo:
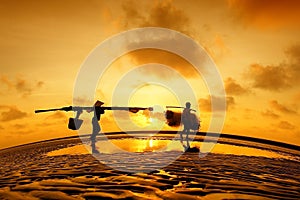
x=187 y=123
x=95 y=123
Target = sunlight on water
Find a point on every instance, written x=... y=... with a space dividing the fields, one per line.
x=151 y=143
x=156 y=145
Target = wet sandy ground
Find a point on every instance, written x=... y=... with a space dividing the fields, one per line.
x=28 y=173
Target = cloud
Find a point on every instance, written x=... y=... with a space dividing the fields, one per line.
x=4 y=80
x=82 y=101
x=216 y=46
x=161 y=14
x=277 y=77
x=146 y=56
x=272 y=78
x=21 y=85
x=266 y=14
x=11 y=113
x=154 y=114
x=233 y=88
x=19 y=126
x=293 y=54
x=279 y=107
x=286 y=125
x=132 y=12
x=270 y=114
x=166 y=15
x=205 y=104
x=230 y=102
x=40 y=84
x=57 y=115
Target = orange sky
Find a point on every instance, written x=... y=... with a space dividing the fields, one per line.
x=255 y=45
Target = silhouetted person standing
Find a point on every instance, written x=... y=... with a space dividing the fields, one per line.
x=75 y=123
x=187 y=122
x=95 y=123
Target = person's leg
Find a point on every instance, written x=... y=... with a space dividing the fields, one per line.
x=96 y=129
x=93 y=143
x=187 y=138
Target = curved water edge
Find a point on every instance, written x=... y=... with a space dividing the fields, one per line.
x=225 y=139
x=164 y=143
x=217 y=135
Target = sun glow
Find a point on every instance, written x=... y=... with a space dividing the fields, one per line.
x=151 y=143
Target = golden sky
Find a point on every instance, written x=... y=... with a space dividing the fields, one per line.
x=255 y=45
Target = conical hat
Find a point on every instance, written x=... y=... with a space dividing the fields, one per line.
x=98 y=103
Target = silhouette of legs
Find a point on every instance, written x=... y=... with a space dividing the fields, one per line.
x=187 y=138
x=181 y=133
x=93 y=144
x=182 y=143
x=187 y=132
x=96 y=129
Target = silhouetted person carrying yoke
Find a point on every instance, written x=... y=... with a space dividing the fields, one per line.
x=98 y=110
x=96 y=125
x=187 y=122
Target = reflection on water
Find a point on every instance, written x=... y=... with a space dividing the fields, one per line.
x=26 y=174
x=160 y=145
